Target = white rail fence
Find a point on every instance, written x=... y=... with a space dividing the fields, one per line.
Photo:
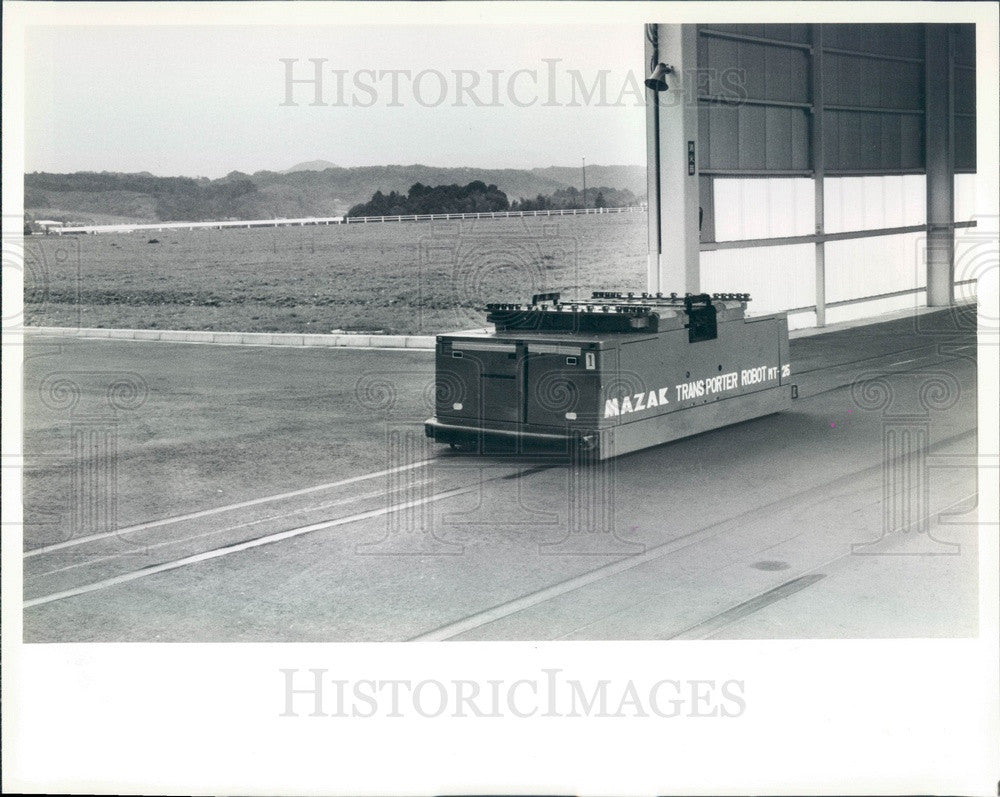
x=500 y=214
x=91 y=229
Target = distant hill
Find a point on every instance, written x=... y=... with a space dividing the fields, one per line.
x=631 y=178
x=310 y=166
x=301 y=191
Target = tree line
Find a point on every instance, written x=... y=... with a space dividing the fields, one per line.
x=478 y=197
x=571 y=199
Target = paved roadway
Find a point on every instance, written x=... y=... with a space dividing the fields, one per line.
x=179 y=492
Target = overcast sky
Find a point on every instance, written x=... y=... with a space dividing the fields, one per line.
x=210 y=100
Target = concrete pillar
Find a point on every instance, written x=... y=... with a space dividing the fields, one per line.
x=819 y=169
x=939 y=148
x=672 y=162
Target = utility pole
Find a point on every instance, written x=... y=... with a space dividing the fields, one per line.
x=584 y=182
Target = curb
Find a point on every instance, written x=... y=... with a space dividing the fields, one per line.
x=298 y=340
x=393 y=342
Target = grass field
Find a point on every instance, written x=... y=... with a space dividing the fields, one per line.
x=401 y=278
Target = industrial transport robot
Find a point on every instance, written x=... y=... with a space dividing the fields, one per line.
x=608 y=375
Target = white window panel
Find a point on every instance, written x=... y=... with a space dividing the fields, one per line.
x=872 y=266
x=874 y=202
x=803 y=320
x=773 y=207
x=965 y=197
x=776 y=277
x=977 y=253
x=915 y=198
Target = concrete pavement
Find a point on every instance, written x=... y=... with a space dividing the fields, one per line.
x=289 y=495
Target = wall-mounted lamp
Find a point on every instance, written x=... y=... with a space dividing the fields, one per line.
x=657 y=78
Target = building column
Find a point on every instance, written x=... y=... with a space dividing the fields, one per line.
x=939 y=147
x=819 y=169
x=672 y=162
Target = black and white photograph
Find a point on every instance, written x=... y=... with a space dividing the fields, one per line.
x=648 y=350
